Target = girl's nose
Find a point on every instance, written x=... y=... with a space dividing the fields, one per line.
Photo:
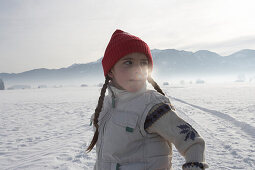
x=139 y=72
x=138 y=68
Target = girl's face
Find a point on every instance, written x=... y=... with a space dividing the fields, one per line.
x=130 y=72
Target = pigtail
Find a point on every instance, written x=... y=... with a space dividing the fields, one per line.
x=97 y=112
x=158 y=89
x=155 y=85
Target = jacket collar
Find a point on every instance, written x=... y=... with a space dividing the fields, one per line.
x=122 y=95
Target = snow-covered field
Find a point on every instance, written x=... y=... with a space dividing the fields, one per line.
x=49 y=128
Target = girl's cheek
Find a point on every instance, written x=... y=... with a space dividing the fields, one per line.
x=145 y=71
x=124 y=74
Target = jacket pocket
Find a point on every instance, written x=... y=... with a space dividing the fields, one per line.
x=128 y=120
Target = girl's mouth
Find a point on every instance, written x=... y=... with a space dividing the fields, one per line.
x=135 y=80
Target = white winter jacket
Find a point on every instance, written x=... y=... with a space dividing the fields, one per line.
x=124 y=144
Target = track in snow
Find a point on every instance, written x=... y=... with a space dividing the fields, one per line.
x=218 y=147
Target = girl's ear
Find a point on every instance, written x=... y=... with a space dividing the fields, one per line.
x=110 y=74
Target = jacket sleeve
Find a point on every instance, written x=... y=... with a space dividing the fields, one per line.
x=163 y=120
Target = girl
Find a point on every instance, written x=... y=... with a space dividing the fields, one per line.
x=135 y=127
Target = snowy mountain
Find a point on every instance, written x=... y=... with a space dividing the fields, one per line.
x=203 y=62
x=167 y=63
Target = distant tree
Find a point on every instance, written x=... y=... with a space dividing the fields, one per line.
x=42 y=86
x=241 y=78
x=1 y=84
x=199 y=81
x=165 y=83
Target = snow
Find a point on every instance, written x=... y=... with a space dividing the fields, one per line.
x=49 y=128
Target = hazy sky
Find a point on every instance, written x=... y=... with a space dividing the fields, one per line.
x=58 y=33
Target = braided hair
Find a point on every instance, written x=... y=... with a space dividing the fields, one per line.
x=97 y=112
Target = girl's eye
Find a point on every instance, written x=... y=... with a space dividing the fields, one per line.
x=144 y=63
x=128 y=62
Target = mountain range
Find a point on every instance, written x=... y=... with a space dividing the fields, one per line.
x=168 y=64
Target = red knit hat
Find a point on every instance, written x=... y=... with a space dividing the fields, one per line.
x=121 y=44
